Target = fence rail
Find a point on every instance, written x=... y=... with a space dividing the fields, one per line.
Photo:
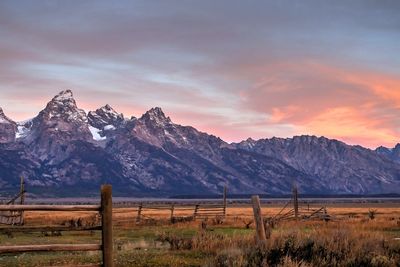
x=50 y=207
x=52 y=247
x=30 y=229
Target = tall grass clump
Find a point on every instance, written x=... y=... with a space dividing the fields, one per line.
x=321 y=246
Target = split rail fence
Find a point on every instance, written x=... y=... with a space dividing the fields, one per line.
x=105 y=210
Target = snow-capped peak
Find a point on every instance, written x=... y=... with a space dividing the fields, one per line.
x=109 y=110
x=63 y=106
x=64 y=99
x=104 y=116
x=157 y=111
x=63 y=96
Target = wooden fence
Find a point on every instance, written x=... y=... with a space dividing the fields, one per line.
x=300 y=212
x=12 y=217
x=105 y=210
x=193 y=210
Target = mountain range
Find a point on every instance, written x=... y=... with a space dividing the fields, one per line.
x=64 y=151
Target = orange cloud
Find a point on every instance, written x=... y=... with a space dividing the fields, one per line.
x=357 y=106
x=351 y=125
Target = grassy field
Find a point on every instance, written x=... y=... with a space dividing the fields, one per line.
x=351 y=238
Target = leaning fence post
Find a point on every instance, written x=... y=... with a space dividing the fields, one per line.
x=258 y=219
x=106 y=223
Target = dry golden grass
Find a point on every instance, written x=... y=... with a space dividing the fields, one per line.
x=351 y=238
x=338 y=210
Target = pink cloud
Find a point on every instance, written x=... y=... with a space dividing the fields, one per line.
x=358 y=106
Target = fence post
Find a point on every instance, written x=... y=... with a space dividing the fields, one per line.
x=172 y=213
x=195 y=211
x=325 y=215
x=258 y=219
x=295 y=202
x=106 y=222
x=22 y=191
x=22 y=199
x=139 y=213
x=225 y=201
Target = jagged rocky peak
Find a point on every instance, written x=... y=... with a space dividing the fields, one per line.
x=4 y=118
x=63 y=106
x=397 y=147
x=8 y=128
x=396 y=152
x=63 y=96
x=383 y=150
x=105 y=118
x=248 y=143
x=2 y=113
x=157 y=116
x=60 y=120
x=107 y=109
x=392 y=153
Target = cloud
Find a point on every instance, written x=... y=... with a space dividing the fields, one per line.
x=234 y=69
x=352 y=105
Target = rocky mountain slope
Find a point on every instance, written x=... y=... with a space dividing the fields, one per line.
x=64 y=151
x=391 y=153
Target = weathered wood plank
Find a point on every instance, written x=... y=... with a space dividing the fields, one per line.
x=84 y=265
x=50 y=207
x=52 y=247
x=211 y=209
x=29 y=229
x=210 y=206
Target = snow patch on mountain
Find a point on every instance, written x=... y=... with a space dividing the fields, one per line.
x=96 y=134
x=23 y=128
x=109 y=127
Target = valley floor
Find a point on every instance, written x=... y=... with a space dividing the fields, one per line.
x=351 y=238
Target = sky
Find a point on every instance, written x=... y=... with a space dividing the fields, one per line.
x=235 y=69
